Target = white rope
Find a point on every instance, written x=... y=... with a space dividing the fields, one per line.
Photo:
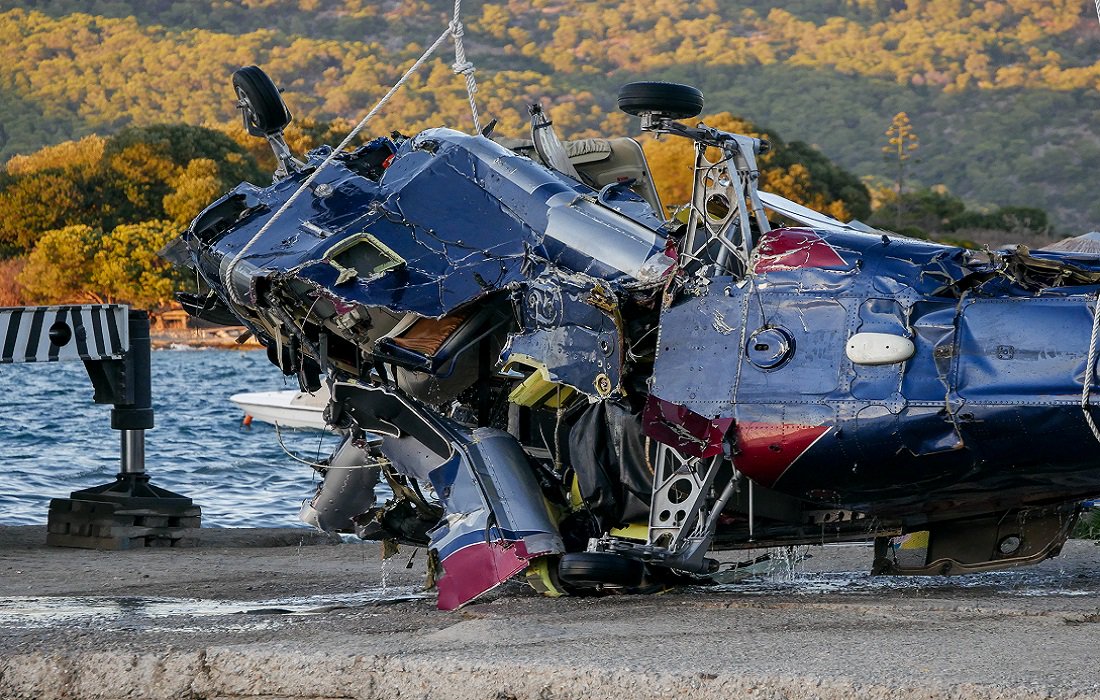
x=465 y=68
x=461 y=66
x=1090 y=368
x=1097 y=9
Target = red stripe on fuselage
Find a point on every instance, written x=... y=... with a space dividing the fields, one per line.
x=793 y=249
x=472 y=570
x=767 y=450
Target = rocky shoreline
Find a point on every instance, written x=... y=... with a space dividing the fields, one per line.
x=222 y=337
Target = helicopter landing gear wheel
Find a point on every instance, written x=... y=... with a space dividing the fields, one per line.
x=671 y=100
x=265 y=113
x=594 y=570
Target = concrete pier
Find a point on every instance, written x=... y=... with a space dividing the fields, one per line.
x=289 y=614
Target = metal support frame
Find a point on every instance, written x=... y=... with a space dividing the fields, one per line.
x=688 y=496
x=724 y=195
x=680 y=486
x=683 y=514
x=113 y=342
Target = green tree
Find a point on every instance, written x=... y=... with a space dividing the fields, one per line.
x=924 y=212
x=936 y=213
x=1012 y=220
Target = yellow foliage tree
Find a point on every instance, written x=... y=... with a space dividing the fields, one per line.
x=79 y=264
x=60 y=267
x=196 y=187
x=126 y=266
x=901 y=142
x=84 y=154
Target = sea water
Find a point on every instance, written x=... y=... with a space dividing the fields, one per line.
x=54 y=440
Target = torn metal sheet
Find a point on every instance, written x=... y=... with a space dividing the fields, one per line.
x=569 y=325
x=555 y=380
x=496 y=519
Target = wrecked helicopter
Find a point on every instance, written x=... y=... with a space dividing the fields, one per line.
x=555 y=378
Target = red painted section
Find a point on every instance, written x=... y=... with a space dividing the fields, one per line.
x=793 y=249
x=473 y=570
x=683 y=429
x=767 y=450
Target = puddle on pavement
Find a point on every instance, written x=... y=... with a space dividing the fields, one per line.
x=862 y=583
x=784 y=574
x=46 y=611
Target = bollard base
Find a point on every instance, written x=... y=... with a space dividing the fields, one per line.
x=129 y=513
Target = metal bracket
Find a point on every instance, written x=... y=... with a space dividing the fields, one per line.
x=681 y=485
x=288 y=164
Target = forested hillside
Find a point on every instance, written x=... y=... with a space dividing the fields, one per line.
x=1002 y=94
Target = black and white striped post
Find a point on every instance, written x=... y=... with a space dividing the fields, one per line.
x=52 y=333
x=113 y=343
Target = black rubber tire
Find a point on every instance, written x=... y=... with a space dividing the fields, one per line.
x=265 y=112
x=671 y=100
x=581 y=570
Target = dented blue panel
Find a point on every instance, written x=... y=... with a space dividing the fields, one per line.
x=568 y=325
x=928 y=374
x=878 y=315
x=1023 y=351
x=699 y=349
x=462 y=214
x=811 y=331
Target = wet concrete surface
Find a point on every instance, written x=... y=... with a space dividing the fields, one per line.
x=290 y=614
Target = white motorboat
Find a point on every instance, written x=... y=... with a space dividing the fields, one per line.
x=287 y=409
